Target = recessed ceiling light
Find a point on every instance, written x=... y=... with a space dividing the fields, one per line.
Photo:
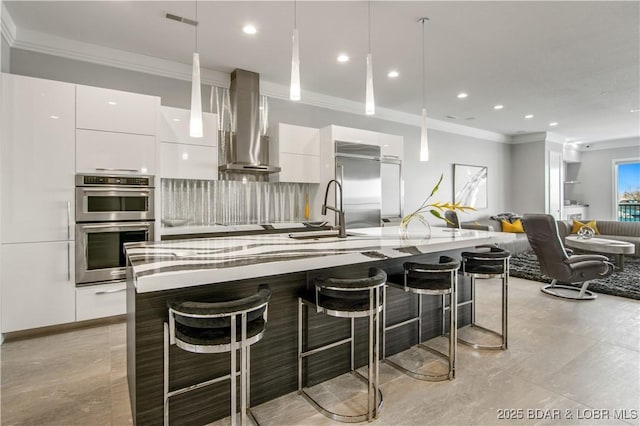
x=634 y=110
x=528 y=116
x=343 y=57
x=112 y=103
x=553 y=123
x=55 y=117
x=462 y=95
x=175 y=119
x=498 y=106
x=393 y=74
x=249 y=29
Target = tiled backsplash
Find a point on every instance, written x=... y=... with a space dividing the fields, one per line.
x=204 y=202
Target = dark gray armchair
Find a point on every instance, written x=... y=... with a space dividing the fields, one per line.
x=557 y=264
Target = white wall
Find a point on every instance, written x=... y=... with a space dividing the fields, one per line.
x=595 y=174
x=446 y=148
x=5 y=57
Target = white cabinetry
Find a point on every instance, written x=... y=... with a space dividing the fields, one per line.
x=116 y=111
x=108 y=152
x=298 y=153
x=184 y=157
x=37 y=283
x=116 y=131
x=37 y=159
x=98 y=301
x=391 y=146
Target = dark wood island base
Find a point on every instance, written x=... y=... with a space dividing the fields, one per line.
x=274 y=358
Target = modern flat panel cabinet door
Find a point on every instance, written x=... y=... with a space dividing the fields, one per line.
x=38 y=159
x=174 y=127
x=299 y=168
x=99 y=301
x=184 y=161
x=391 y=146
x=108 y=152
x=298 y=139
x=116 y=111
x=38 y=285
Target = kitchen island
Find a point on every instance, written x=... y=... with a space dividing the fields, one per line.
x=232 y=267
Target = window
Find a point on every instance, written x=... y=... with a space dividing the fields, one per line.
x=628 y=190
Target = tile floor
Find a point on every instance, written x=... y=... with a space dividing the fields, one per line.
x=567 y=363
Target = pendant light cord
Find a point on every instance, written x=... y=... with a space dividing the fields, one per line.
x=295 y=14
x=369 y=24
x=196 y=29
x=424 y=94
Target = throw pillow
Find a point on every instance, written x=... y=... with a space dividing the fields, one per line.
x=577 y=225
x=515 y=227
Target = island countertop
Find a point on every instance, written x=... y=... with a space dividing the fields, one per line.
x=167 y=265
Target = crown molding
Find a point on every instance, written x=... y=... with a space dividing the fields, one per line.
x=633 y=142
x=71 y=49
x=7 y=26
x=529 y=137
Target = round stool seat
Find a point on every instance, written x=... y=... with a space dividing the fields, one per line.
x=188 y=338
x=488 y=262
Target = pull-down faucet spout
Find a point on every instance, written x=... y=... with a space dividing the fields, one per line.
x=342 y=231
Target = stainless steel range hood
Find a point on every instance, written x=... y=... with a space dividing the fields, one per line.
x=246 y=145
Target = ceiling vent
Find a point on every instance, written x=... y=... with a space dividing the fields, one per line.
x=181 y=19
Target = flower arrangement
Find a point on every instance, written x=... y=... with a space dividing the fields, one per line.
x=436 y=209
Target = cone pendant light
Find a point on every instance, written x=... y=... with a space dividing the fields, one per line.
x=370 y=105
x=195 y=121
x=294 y=91
x=424 y=142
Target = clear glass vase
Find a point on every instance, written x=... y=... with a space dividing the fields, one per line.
x=415 y=226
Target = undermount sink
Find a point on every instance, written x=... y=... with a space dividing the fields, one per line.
x=318 y=234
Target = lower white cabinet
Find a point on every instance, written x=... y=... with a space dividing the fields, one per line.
x=109 y=152
x=102 y=300
x=184 y=161
x=38 y=285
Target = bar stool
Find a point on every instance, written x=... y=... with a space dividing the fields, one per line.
x=347 y=298
x=212 y=327
x=433 y=279
x=489 y=262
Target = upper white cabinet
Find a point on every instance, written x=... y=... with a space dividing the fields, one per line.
x=185 y=161
x=107 y=152
x=348 y=134
x=391 y=146
x=184 y=157
x=116 y=111
x=174 y=127
x=38 y=159
x=298 y=153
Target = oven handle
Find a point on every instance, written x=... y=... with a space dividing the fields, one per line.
x=115 y=290
x=140 y=225
x=124 y=189
x=106 y=169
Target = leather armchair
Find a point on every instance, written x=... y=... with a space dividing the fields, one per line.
x=558 y=264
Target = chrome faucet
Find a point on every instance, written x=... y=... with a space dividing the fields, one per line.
x=342 y=231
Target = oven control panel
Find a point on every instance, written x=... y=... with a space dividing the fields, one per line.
x=141 y=181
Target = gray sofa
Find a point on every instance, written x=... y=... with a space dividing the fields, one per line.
x=609 y=229
x=519 y=245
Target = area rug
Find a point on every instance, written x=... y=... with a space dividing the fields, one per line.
x=623 y=284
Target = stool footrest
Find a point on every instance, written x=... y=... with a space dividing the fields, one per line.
x=356 y=418
x=201 y=385
x=401 y=323
x=325 y=347
x=501 y=346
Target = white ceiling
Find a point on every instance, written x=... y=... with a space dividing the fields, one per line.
x=573 y=62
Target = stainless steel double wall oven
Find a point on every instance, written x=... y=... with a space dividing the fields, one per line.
x=110 y=211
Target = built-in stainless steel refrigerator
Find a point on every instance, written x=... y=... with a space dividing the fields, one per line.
x=358 y=170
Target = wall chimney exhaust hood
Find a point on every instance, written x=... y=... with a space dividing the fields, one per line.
x=244 y=141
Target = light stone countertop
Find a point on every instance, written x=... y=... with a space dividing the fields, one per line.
x=214 y=229
x=165 y=265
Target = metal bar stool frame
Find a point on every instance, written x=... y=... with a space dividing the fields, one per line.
x=374 y=400
x=504 y=276
x=244 y=345
x=452 y=292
